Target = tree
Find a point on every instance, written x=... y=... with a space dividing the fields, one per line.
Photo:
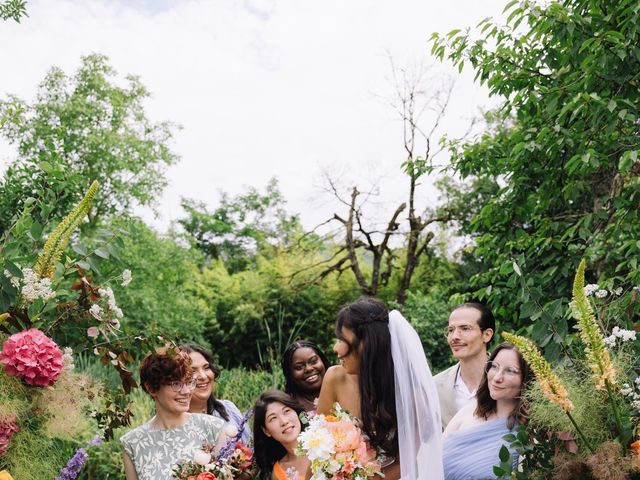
x=241 y=226
x=564 y=146
x=410 y=101
x=83 y=128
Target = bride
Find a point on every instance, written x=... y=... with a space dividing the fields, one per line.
x=384 y=380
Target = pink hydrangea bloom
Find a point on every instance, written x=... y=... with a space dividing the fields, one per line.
x=7 y=429
x=32 y=356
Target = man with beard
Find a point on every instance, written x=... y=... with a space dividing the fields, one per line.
x=471 y=328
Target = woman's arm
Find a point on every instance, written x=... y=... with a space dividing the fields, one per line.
x=129 y=468
x=329 y=390
x=392 y=472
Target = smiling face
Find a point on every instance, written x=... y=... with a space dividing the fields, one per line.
x=504 y=377
x=169 y=401
x=203 y=375
x=348 y=355
x=307 y=370
x=281 y=423
x=464 y=335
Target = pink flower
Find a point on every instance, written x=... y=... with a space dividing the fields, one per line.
x=93 y=332
x=366 y=455
x=206 y=476
x=32 y=356
x=345 y=435
x=7 y=429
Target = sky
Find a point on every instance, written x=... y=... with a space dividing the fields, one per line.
x=292 y=89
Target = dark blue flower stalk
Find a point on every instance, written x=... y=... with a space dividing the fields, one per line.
x=74 y=466
x=230 y=446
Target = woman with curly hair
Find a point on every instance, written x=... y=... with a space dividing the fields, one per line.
x=173 y=433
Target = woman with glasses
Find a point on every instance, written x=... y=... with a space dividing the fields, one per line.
x=473 y=438
x=173 y=434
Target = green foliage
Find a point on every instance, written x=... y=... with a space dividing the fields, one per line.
x=563 y=145
x=241 y=227
x=536 y=451
x=592 y=410
x=161 y=297
x=428 y=314
x=15 y=9
x=240 y=303
x=83 y=127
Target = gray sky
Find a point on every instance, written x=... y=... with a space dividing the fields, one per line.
x=261 y=88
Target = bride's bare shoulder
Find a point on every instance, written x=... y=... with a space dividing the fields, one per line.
x=335 y=374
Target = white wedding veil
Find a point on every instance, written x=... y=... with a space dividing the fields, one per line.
x=417 y=405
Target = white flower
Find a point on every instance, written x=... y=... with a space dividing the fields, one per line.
x=126 y=278
x=67 y=359
x=96 y=311
x=318 y=443
x=610 y=341
x=93 y=332
x=231 y=430
x=601 y=293
x=625 y=335
x=618 y=291
x=590 y=289
x=35 y=287
x=201 y=458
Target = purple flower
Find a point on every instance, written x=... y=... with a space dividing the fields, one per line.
x=95 y=441
x=230 y=446
x=637 y=288
x=72 y=470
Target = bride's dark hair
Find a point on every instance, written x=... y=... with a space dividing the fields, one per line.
x=368 y=319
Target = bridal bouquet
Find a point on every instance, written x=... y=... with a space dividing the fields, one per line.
x=337 y=448
x=232 y=460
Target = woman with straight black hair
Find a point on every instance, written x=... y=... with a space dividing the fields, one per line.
x=384 y=380
x=276 y=426
x=304 y=365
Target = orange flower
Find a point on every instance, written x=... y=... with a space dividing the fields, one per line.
x=331 y=418
x=345 y=435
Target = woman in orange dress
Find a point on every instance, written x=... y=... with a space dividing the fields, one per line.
x=276 y=426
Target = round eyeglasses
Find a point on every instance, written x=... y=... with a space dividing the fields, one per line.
x=509 y=372
x=178 y=386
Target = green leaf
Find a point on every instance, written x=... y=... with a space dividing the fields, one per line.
x=101 y=252
x=46 y=167
x=504 y=454
x=13 y=269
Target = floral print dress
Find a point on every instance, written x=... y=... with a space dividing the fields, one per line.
x=155 y=452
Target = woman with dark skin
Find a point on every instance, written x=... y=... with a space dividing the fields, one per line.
x=304 y=366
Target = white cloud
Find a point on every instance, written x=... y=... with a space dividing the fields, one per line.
x=262 y=88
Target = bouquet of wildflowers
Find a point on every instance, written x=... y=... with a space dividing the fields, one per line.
x=232 y=460
x=337 y=448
